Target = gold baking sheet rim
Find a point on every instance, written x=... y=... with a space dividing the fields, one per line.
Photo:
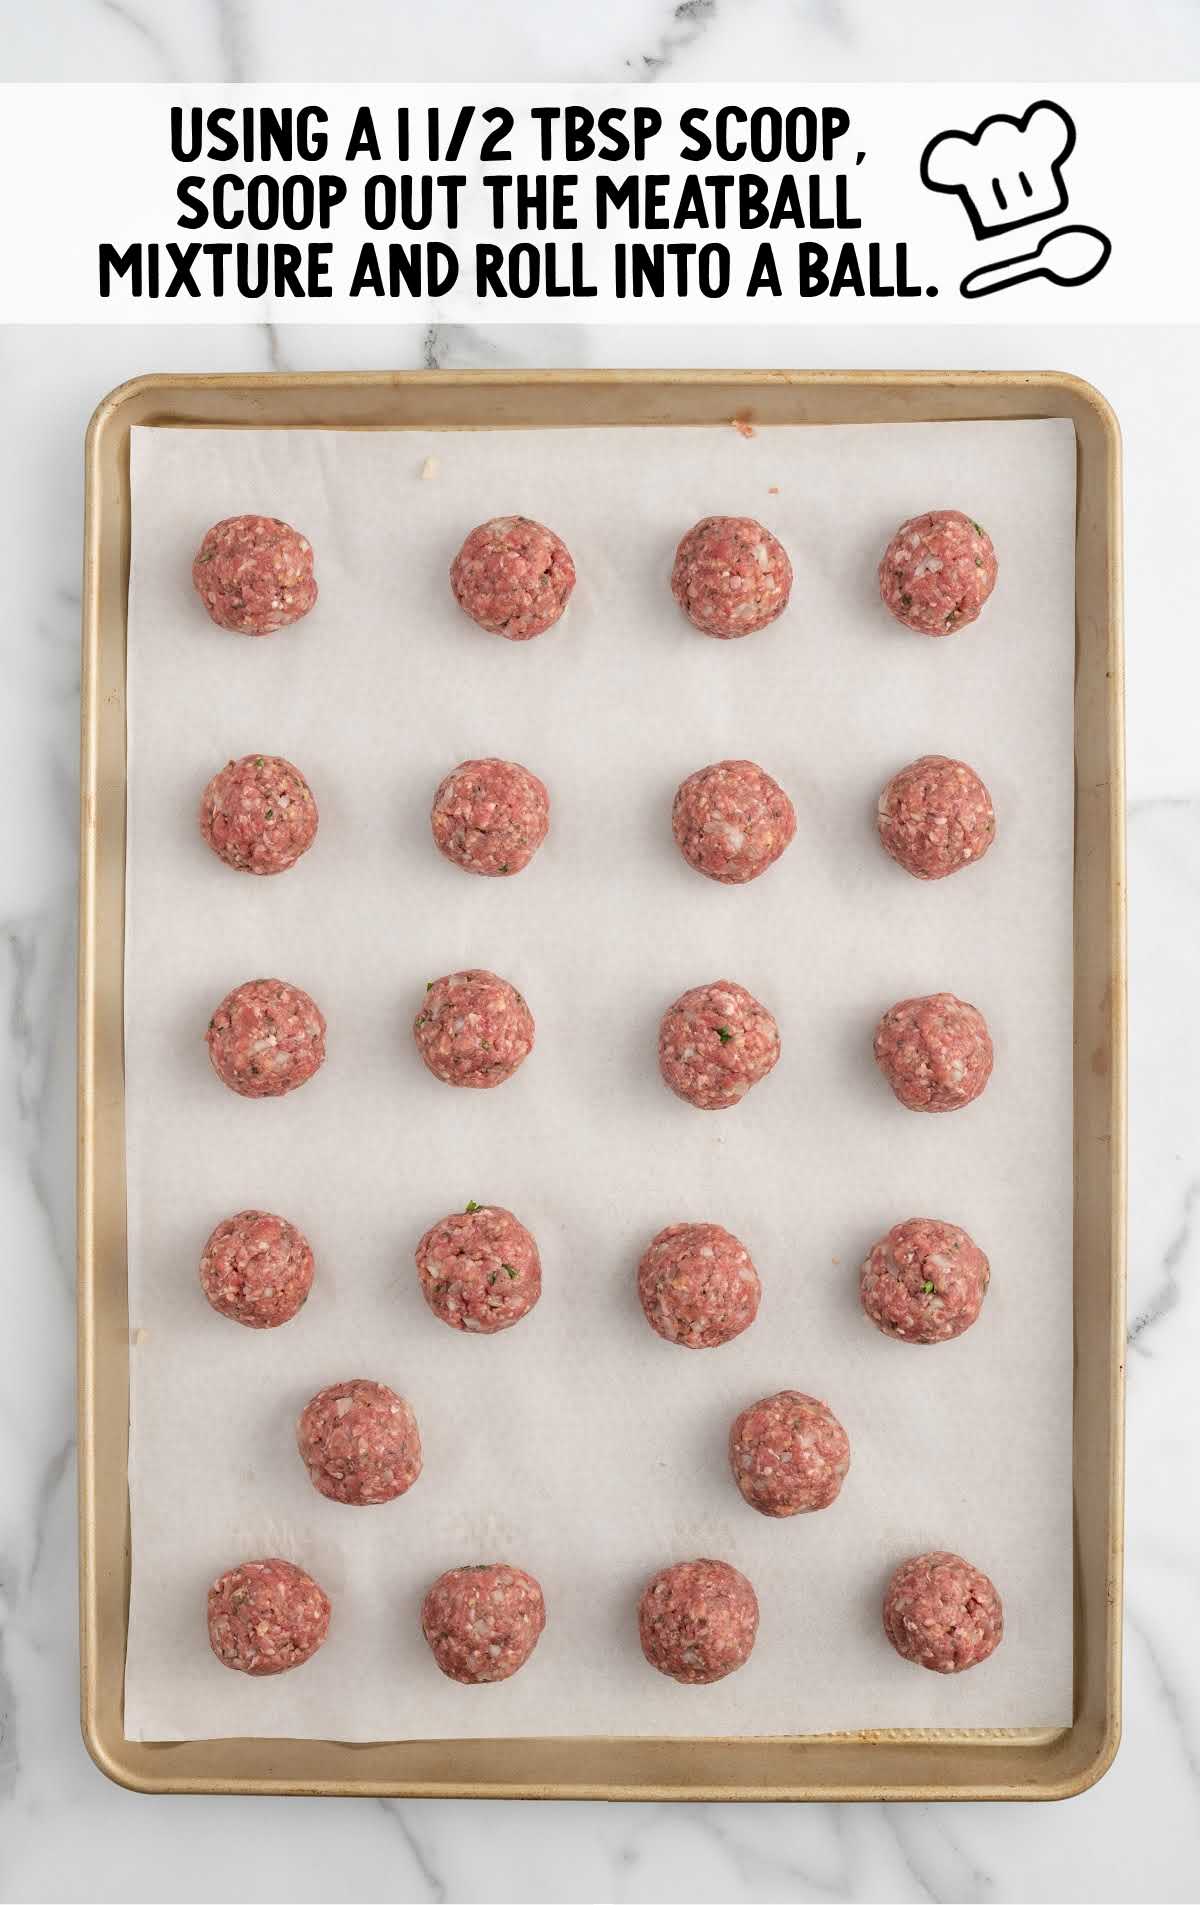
x=871 y=1765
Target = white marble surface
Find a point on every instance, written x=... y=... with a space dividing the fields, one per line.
x=64 y=1832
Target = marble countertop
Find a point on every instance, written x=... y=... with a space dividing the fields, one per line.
x=65 y=1833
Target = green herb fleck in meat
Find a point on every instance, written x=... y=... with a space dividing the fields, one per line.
x=509 y=1271
x=472 y=1207
x=724 y=1034
x=927 y=1288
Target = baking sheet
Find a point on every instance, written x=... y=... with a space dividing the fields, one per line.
x=579 y=1445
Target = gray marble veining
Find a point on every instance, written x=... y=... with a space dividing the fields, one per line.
x=64 y=1832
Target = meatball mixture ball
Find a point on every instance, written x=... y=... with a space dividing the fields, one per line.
x=258 y=814
x=473 y=1029
x=714 y=1043
x=731 y=576
x=924 y=1282
x=942 y=1613
x=490 y=816
x=265 y=1038
x=360 y=1444
x=513 y=576
x=265 y=1617
x=698 y=1286
x=732 y=821
x=936 y=816
x=697 y=1621
x=483 y=1622
x=257 y=1269
x=254 y=574
x=936 y=1052
x=789 y=1454
x=937 y=572
x=480 y=1269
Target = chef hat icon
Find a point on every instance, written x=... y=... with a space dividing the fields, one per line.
x=1008 y=171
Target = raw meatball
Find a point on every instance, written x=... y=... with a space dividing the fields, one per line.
x=360 y=1444
x=789 y=1454
x=258 y=814
x=698 y=1286
x=257 y=1269
x=490 y=816
x=924 y=1282
x=513 y=576
x=480 y=1269
x=265 y=1038
x=697 y=1621
x=731 y=576
x=266 y=1617
x=935 y=817
x=942 y=1613
x=937 y=572
x=936 y=1053
x=732 y=821
x=473 y=1029
x=483 y=1622
x=255 y=574
x=714 y=1043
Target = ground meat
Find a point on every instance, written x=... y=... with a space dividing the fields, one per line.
x=265 y=1617
x=483 y=1622
x=257 y=1269
x=714 y=1043
x=265 y=1038
x=360 y=1443
x=513 y=576
x=697 y=1621
x=473 y=1029
x=480 y=1269
x=936 y=1053
x=942 y=1613
x=732 y=821
x=924 y=1282
x=731 y=576
x=490 y=816
x=258 y=814
x=698 y=1286
x=937 y=572
x=935 y=817
x=789 y=1454
x=255 y=574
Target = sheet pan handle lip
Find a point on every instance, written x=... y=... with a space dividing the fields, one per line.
x=1083 y=1752
x=1067 y=383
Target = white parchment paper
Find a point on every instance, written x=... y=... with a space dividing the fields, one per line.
x=579 y=1445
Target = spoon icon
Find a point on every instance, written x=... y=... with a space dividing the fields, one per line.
x=1071 y=255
